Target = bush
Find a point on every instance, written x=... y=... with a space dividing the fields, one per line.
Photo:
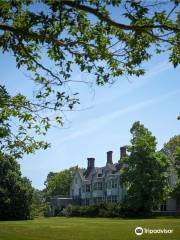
x=100 y=210
x=47 y=210
x=66 y=212
x=40 y=210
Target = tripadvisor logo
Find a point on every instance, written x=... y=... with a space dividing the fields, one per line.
x=139 y=231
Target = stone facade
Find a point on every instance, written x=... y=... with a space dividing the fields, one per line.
x=98 y=184
x=102 y=184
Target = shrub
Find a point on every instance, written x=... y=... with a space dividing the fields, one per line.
x=47 y=210
x=100 y=210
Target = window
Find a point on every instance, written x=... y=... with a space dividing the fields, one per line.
x=114 y=183
x=75 y=180
x=95 y=186
x=109 y=184
x=99 y=185
x=88 y=187
x=163 y=207
x=83 y=188
x=87 y=201
x=98 y=200
x=114 y=199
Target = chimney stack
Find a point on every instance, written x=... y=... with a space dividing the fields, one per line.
x=122 y=151
x=109 y=157
x=90 y=162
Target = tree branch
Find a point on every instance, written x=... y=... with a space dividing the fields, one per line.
x=41 y=37
x=111 y=22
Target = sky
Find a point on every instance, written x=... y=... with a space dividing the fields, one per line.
x=105 y=117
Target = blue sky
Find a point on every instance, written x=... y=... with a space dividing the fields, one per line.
x=107 y=113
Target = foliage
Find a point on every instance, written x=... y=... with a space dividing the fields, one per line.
x=16 y=118
x=144 y=175
x=39 y=210
x=59 y=183
x=70 y=35
x=100 y=210
x=39 y=206
x=16 y=192
x=47 y=210
x=172 y=147
x=38 y=197
x=172 y=144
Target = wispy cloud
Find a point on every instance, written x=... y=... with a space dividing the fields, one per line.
x=137 y=83
x=99 y=122
x=159 y=68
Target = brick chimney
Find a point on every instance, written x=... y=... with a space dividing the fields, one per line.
x=122 y=151
x=90 y=162
x=109 y=157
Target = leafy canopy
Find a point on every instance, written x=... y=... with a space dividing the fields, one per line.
x=144 y=175
x=172 y=147
x=59 y=183
x=52 y=39
x=16 y=192
x=18 y=124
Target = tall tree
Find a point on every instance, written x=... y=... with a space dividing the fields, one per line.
x=144 y=175
x=16 y=192
x=172 y=147
x=81 y=34
x=59 y=183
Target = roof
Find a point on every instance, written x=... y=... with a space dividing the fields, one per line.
x=89 y=173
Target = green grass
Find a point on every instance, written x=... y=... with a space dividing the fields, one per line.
x=86 y=229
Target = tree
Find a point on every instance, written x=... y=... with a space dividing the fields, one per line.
x=17 y=135
x=16 y=192
x=83 y=34
x=144 y=175
x=172 y=147
x=59 y=183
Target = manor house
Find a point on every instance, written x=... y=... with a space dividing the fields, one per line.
x=98 y=184
x=102 y=184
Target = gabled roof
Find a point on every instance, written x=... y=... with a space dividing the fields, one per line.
x=89 y=173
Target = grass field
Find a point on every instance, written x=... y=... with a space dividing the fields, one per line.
x=86 y=229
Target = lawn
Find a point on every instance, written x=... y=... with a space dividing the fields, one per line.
x=86 y=229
